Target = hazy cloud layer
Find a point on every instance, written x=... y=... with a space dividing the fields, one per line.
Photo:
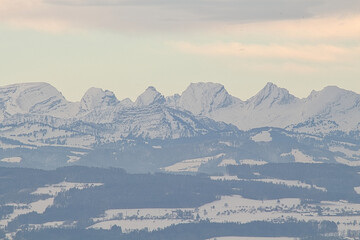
x=163 y=14
x=313 y=53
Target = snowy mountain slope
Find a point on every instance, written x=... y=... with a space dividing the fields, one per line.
x=38 y=124
x=331 y=109
x=149 y=97
x=97 y=98
x=205 y=98
x=272 y=106
x=35 y=98
x=103 y=146
x=33 y=108
x=156 y=122
x=322 y=112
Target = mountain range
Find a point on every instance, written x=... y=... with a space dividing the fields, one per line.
x=38 y=124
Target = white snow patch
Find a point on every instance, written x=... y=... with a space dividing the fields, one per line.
x=21 y=209
x=252 y=162
x=225 y=178
x=144 y=213
x=55 y=224
x=264 y=136
x=347 y=162
x=300 y=156
x=73 y=159
x=229 y=144
x=11 y=160
x=290 y=183
x=285 y=154
x=136 y=219
x=234 y=209
x=41 y=205
x=55 y=189
x=347 y=152
x=227 y=162
x=12 y=146
x=79 y=153
x=131 y=225
x=191 y=165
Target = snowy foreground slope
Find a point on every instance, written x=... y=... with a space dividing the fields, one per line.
x=40 y=128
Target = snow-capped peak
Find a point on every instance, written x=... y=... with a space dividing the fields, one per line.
x=149 y=97
x=203 y=98
x=36 y=98
x=271 y=94
x=96 y=97
x=330 y=92
x=127 y=103
x=334 y=103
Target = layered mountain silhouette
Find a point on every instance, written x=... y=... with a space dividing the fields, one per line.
x=203 y=120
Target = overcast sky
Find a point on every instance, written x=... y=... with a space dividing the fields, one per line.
x=127 y=45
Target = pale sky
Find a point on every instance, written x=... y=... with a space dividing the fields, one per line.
x=127 y=45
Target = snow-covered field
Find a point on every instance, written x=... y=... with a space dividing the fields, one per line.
x=226 y=162
x=40 y=206
x=347 y=152
x=225 y=178
x=252 y=162
x=300 y=156
x=234 y=209
x=264 y=136
x=191 y=165
x=72 y=159
x=347 y=162
x=21 y=209
x=55 y=189
x=55 y=224
x=131 y=225
x=79 y=153
x=229 y=144
x=290 y=183
x=11 y=160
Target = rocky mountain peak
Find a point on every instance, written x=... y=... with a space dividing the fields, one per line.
x=96 y=97
x=271 y=94
x=149 y=97
x=31 y=98
x=202 y=98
